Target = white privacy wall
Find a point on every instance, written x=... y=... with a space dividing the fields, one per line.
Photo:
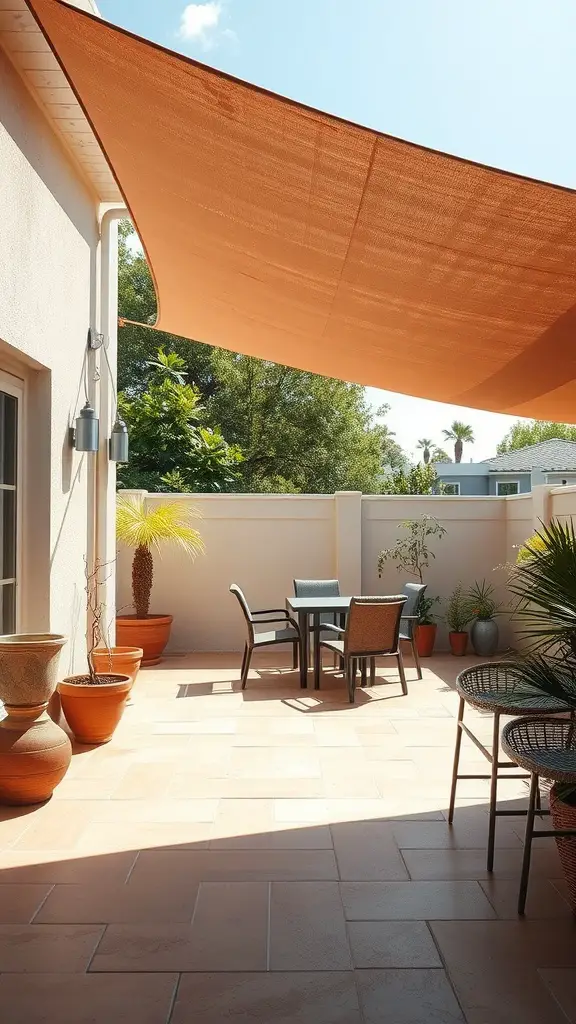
x=262 y=542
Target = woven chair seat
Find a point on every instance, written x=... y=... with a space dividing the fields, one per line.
x=546 y=746
x=498 y=686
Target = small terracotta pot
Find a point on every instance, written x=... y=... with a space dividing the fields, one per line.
x=425 y=636
x=93 y=711
x=119 y=661
x=34 y=755
x=151 y=634
x=458 y=643
x=564 y=817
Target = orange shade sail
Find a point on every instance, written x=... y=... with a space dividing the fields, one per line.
x=281 y=232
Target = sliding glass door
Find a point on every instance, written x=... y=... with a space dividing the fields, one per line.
x=10 y=411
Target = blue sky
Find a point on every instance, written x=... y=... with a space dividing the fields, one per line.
x=492 y=81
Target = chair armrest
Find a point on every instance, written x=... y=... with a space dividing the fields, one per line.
x=330 y=625
x=413 y=618
x=284 y=622
x=272 y=611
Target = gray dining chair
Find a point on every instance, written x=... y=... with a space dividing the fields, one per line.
x=287 y=633
x=372 y=631
x=409 y=620
x=319 y=588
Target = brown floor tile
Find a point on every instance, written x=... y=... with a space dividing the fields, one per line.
x=43 y=949
x=165 y=902
x=445 y=865
x=408 y=997
x=307 y=837
x=366 y=850
x=228 y=933
x=87 y=998
x=19 y=902
x=414 y=901
x=290 y=998
x=234 y=866
x=307 y=927
x=441 y=836
x=388 y=944
x=53 y=867
x=544 y=899
x=561 y=983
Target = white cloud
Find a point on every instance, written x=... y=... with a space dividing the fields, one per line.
x=199 y=20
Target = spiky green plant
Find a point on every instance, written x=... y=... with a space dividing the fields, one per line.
x=146 y=529
x=544 y=583
x=458 y=610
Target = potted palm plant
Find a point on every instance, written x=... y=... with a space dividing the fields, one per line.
x=147 y=529
x=484 y=632
x=458 y=615
x=544 y=584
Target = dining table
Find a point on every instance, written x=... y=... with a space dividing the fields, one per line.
x=305 y=609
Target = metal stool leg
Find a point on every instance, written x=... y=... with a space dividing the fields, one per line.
x=534 y=789
x=456 y=761
x=493 y=792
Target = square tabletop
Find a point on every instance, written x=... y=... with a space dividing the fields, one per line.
x=310 y=605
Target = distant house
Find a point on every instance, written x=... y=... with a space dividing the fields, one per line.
x=517 y=472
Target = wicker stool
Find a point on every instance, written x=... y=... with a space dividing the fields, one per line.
x=546 y=747
x=496 y=687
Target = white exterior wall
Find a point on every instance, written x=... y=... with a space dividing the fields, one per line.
x=48 y=273
x=262 y=542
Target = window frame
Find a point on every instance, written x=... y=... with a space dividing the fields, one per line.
x=15 y=387
x=506 y=483
x=452 y=483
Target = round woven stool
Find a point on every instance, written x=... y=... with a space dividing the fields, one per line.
x=546 y=747
x=498 y=688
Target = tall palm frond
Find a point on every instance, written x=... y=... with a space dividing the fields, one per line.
x=149 y=527
x=459 y=432
x=544 y=582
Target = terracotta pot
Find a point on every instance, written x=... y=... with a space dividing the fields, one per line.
x=35 y=754
x=120 y=661
x=458 y=643
x=151 y=634
x=425 y=636
x=564 y=817
x=93 y=711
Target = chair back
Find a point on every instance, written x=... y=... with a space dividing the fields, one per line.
x=316 y=588
x=373 y=625
x=413 y=592
x=238 y=594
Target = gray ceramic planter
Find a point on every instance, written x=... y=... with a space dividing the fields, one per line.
x=484 y=636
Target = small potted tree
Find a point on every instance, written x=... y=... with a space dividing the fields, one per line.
x=458 y=615
x=147 y=529
x=93 y=703
x=484 y=633
x=412 y=554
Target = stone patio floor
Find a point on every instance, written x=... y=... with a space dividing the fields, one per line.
x=278 y=856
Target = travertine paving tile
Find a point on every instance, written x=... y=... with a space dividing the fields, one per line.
x=307 y=927
x=388 y=944
x=46 y=948
x=87 y=998
x=408 y=997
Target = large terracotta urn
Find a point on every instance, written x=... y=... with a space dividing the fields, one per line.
x=34 y=752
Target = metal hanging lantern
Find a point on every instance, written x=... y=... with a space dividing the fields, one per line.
x=119 y=442
x=87 y=433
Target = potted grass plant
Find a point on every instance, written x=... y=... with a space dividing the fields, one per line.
x=458 y=615
x=544 y=584
x=484 y=633
x=146 y=529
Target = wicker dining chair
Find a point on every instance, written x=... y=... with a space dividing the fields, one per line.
x=319 y=588
x=288 y=633
x=372 y=631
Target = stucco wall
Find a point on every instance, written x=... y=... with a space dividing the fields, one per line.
x=48 y=248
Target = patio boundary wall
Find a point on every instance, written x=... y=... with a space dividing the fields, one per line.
x=263 y=541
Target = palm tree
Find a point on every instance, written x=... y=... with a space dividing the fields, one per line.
x=459 y=433
x=426 y=444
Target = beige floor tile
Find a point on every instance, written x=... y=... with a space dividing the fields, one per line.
x=307 y=927
x=118 y=836
x=144 y=811
x=44 y=948
x=443 y=865
x=235 y=865
x=144 y=782
x=302 y=837
x=19 y=902
x=228 y=933
x=414 y=901
x=389 y=944
x=276 y=998
x=166 y=902
x=87 y=998
x=408 y=997
x=366 y=850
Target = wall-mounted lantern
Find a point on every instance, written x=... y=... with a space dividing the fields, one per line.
x=119 y=442
x=87 y=432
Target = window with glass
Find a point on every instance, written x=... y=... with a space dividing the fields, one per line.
x=507 y=487
x=453 y=488
x=8 y=509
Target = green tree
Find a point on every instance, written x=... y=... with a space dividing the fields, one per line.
x=439 y=455
x=170 y=449
x=459 y=433
x=522 y=434
x=425 y=444
x=418 y=479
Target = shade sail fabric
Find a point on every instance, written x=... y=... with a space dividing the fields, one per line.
x=285 y=233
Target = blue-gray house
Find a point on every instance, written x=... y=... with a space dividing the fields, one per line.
x=517 y=472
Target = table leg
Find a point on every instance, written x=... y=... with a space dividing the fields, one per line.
x=317 y=654
x=303 y=626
